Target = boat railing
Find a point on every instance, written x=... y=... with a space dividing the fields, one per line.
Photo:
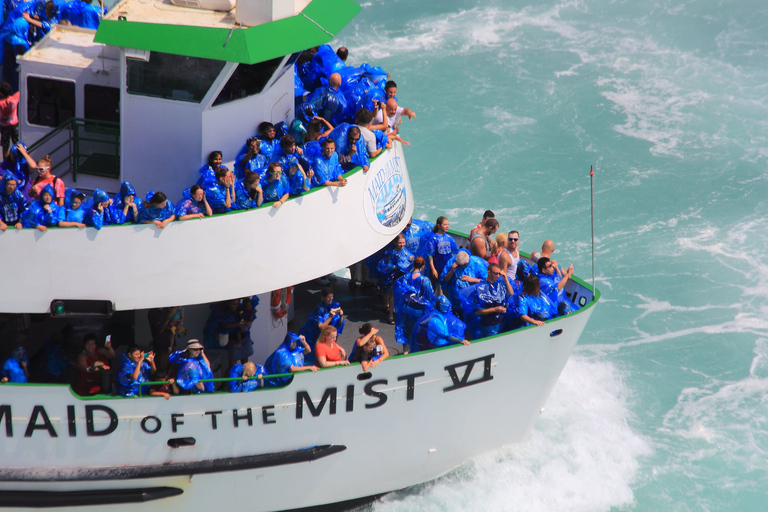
x=80 y=145
x=215 y=380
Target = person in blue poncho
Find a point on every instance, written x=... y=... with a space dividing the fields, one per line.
x=414 y=297
x=134 y=369
x=350 y=147
x=99 y=214
x=328 y=312
x=269 y=143
x=298 y=181
x=438 y=328
x=17 y=165
x=72 y=214
x=275 y=186
x=195 y=206
x=252 y=159
x=16 y=368
x=158 y=210
x=192 y=366
x=43 y=213
x=208 y=172
x=327 y=171
x=222 y=195
x=125 y=205
x=12 y=203
x=529 y=307
x=460 y=272
x=251 y=377
x=286 y=153
x=328 y=101
x=440 y=248
x=490 y=303
x=81 y=13
x=397 y=261
x=249 y=192
x=24 y=26
x=552 y=285
x=288 y=358
x=417 y=234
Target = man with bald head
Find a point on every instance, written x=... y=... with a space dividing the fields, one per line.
x=547 y=248
x=328 y=101
x=394 y=113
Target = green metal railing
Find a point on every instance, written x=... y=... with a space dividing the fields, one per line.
x=73 y=144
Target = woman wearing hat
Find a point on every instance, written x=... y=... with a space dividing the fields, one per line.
x=192 y=367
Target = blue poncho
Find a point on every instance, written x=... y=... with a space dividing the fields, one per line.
x=548 y=286
x=118 y=203
x=326 y=169
x=18 y=168
x=320 y=314
x=329 y=103
x=126 y=385
x=413 y=298
x=189 y=207
x=275 y=190
x=37 y=215
x=244 y=386
x=258 y=163
x=340 y=136
x=435 y=330
x=441 y=248
x=13 y=370
x=281 y=360
x=96 y=218
x=296 y=182
x=81 y=14
x=269 y=147
x=394 y=264
x=537 y=308
x=477 y=268
x=216 y=195
x=11 y=205
x=191 y=370
x=153 y=213
x=487 y=295
x=417 y=237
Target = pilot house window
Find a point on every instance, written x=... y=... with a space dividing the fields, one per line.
x=247 y=80
x=49 y=102
x=173 y=77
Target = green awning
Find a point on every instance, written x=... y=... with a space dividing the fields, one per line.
x=244 y=45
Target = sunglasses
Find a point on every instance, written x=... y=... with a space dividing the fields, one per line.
x=514 y=239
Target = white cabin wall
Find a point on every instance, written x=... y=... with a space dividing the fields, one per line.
x=226 y=127
x=108 y=77
x=174 y=159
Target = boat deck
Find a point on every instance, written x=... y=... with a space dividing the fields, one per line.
x=360 y=305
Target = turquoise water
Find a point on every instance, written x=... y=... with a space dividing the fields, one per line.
x=663 y=405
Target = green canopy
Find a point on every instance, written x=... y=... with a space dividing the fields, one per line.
x=317 y=24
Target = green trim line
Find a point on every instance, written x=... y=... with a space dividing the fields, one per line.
x=243 y=45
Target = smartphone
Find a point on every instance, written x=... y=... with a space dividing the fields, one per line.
x=108 y=339
x=146 y=355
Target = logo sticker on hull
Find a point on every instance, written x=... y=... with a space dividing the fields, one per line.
x=386 y=196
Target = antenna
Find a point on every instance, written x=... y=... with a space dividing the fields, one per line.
x=592 y=214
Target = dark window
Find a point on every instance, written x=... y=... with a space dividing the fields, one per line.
x=102 y=103
x=172 y=76
x=247 y=80
x=50 y=102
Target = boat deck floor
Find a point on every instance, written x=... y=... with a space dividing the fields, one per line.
x=360 y=305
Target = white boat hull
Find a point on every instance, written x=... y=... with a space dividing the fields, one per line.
x=462 y=401
x=202 y=261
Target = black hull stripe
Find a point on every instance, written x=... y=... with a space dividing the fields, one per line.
x=166 y=470
x=47 y=499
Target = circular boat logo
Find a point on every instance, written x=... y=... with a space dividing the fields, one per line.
x=385 y=196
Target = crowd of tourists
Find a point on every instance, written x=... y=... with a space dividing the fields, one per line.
x=349 y=117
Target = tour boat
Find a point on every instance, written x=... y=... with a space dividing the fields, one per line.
x=144 y=99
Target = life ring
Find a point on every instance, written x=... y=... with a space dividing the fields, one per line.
x=280 y=301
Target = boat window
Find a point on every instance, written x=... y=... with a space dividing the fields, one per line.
x=102 y=103
x=49 y=102
x=247 y=80
x=173 y=77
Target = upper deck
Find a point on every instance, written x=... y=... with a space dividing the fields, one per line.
x=217 y=258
